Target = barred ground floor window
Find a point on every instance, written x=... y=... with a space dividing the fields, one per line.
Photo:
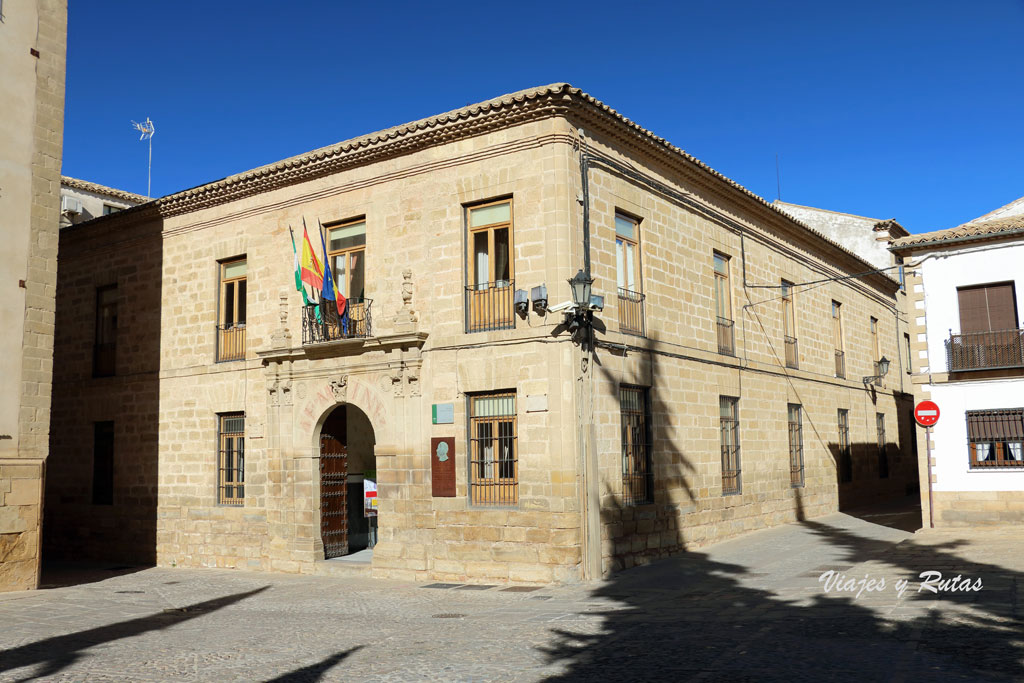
x=493 y=452
x=231 y=459
x=796 y=444
x=995 y=438
x=637 y=475
x=845 y=454
x=729 y=424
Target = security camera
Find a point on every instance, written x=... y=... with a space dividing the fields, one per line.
x=522 y=303
x=564 y=306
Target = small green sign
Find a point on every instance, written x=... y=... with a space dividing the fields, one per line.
x=442 y=413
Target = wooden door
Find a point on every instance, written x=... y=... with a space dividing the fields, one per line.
x=333 y=496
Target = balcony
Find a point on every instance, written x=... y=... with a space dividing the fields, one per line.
x=230 y=342
x=355 y=324
x=840 y=364
x=631 y=312
x=726 y=339
x=792 y=353
x=489 y=306
x=985 y=351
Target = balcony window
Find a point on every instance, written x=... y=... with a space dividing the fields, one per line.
x=837 y=338
x=789 y=326
x=627 y=274
x=491 y=268
x=231 y=326
x=876 y=368
x=723 y=306
x=990 y=336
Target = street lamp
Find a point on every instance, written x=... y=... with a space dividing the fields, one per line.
x=883 y=370
x=581 y=286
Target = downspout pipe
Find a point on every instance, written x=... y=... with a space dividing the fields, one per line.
x=585 y=188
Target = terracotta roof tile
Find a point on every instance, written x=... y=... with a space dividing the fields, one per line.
x=967 y=231
x=96 y=188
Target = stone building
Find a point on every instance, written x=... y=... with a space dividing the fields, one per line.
x=970 y=361
x=730 y=384
x=32 y=49
x=81 y=200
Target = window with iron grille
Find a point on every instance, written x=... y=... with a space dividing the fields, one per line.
x=729 y=421
x=845 y=454
x=493 y=452
x=883 y=453
x=637 y=474
x=231 y=459
x=796 y=445
x=103 y=463
x=995 y=438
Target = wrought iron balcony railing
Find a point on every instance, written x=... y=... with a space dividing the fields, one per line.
x=356 y=322
x=726 y=339
x=985 y=350
x=631 y=312
x=840 y=364
x=230 y=342
x=489 y=306
x=792 y=352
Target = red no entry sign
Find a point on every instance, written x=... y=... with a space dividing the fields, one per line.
x=926 y=413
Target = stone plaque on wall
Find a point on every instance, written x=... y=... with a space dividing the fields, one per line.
x=442 y=467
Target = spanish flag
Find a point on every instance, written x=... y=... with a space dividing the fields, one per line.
x=312 y=274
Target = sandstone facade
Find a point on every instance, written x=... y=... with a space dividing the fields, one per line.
x=413 y=186
x=32 y=50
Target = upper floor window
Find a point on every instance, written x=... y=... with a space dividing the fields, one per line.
x=231 y=317
x=875 y=350
x=910 y=360
x=109 y=209
x=493 y=454
x=346 y=244
x=723 y=306
x=901 y=273
x=104 y=350
x=789 y=326
x=989 y=334
x=490 y=267
x=837 y=338
x=995 y=438
x=627 y=274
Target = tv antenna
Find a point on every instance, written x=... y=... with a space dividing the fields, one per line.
x=147 y=129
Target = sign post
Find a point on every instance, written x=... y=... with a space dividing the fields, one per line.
x=927 y=414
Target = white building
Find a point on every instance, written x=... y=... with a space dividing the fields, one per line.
x=82 y=201
x=965 y=300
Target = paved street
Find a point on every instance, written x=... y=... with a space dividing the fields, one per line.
x=751 y=609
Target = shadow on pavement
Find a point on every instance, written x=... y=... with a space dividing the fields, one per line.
x=694 y=618
x=59 y=652
x=63 y=574
x=314 y=672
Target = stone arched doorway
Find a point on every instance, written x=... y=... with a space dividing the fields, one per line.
x=348 y=476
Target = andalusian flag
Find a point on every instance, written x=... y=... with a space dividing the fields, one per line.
x=298 y=275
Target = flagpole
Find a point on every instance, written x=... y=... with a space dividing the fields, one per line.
x=149 y=175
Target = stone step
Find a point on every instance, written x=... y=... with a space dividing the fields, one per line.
x=341 y=568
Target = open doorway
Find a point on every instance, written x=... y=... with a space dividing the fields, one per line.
x=348 y=483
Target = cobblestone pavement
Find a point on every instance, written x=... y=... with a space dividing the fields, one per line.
x=750 y=609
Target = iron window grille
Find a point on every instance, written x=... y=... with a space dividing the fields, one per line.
x=493 y=453
x=796 y=445
x=730 y=431
x=231 y=459
x=991 y=350
x=631 y=312
x=356 y=322
x=845 y=453
x=637 y=472
x=883 y=452
x=995 y=438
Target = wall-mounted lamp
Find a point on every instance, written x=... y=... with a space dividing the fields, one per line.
x=540 y=299
x=581 y=285
x=883 y=370
x=522 y=303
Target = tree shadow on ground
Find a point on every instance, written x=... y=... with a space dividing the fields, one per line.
x=693 y=617
x=57 y=653
x=316 y=671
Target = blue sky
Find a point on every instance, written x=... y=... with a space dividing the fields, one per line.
x=903 y=109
